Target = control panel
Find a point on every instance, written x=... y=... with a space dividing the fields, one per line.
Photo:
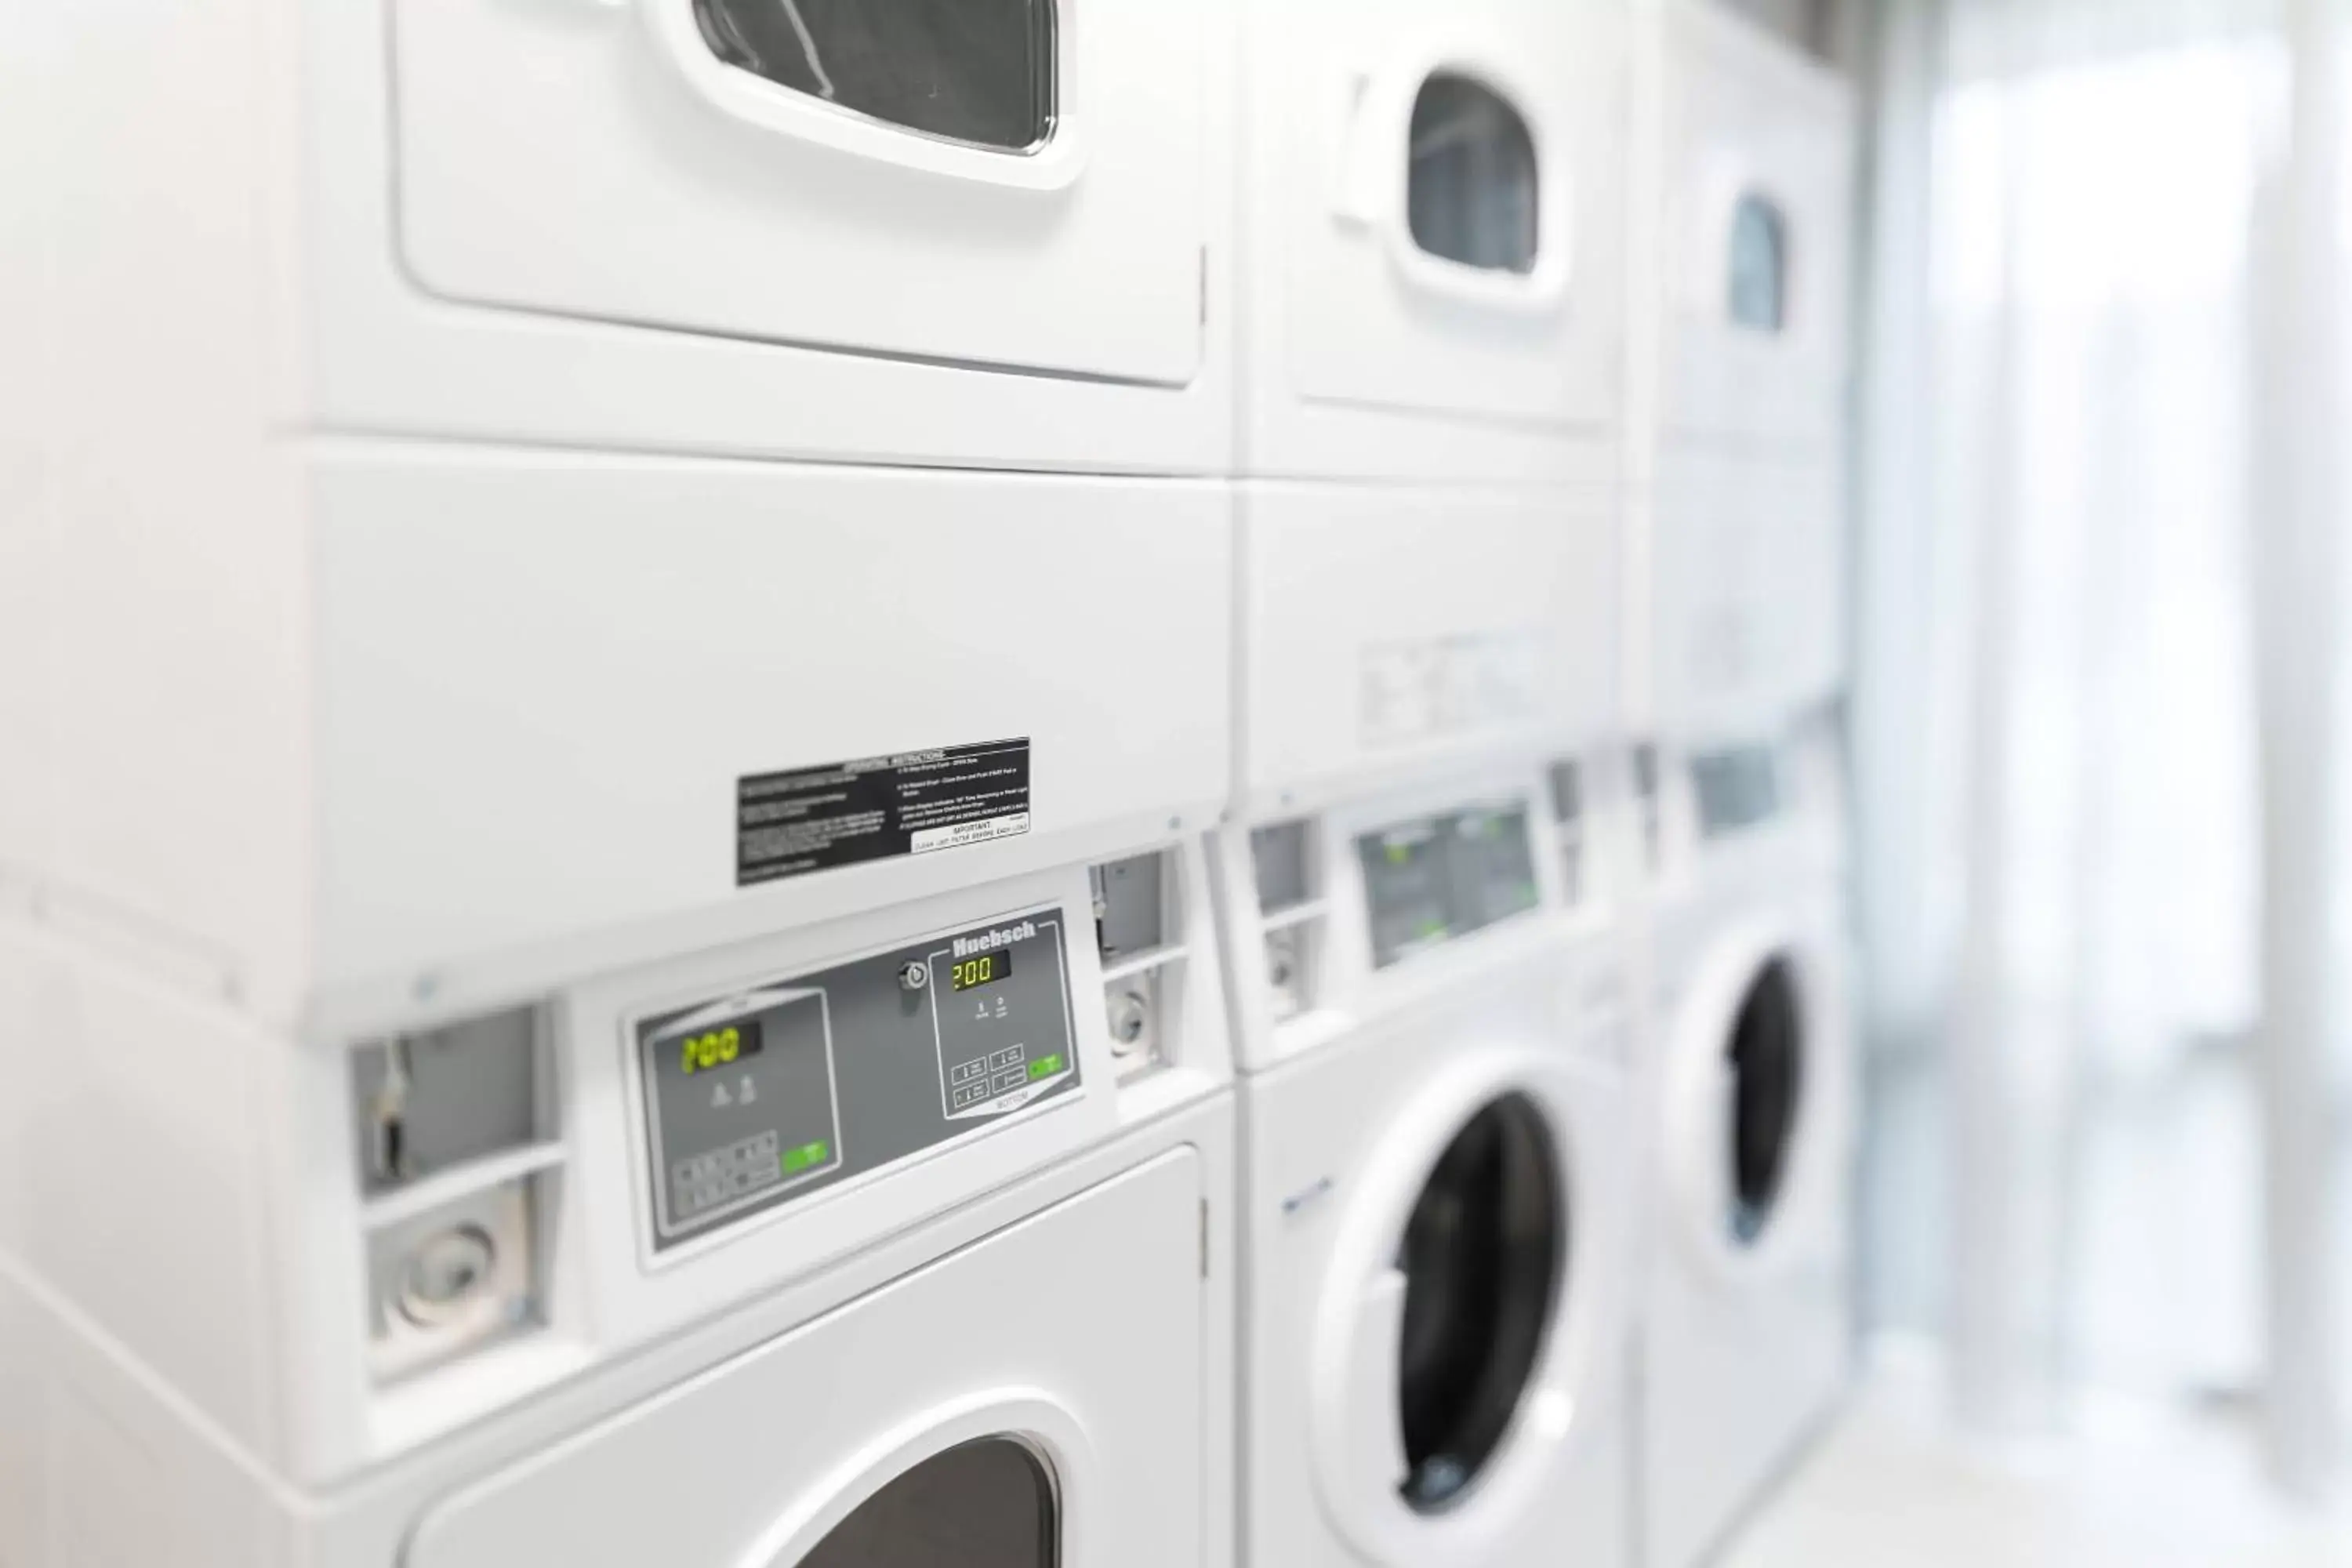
x=1437 y=877
x=783 y=1087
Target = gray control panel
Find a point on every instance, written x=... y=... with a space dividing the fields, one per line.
x=1441 y=877
x=783 y=1087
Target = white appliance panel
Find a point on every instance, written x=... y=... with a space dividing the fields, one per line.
x=522 y=657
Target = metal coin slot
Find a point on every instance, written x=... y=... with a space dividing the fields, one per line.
x=1132 y=1011
x=444 y=1274
x=461 y=1277
x=1285 y=972
x=1130 y=1022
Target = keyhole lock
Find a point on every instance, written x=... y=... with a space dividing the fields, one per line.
x=914 y=976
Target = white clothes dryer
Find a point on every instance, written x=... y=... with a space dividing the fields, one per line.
x=1747 y=1090
x=1432 y=205
x=1758 y=160
x=1436 y=1195
x=529 y=401
x=975 y=233
x=1744 y=483
x=864 y=1244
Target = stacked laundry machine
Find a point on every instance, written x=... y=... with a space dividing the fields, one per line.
x=1736 y=501
x=793 y=785
x=1425 y=957
x=606 y=954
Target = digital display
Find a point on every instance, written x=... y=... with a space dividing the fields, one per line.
x=1445 y=877
x=713 y=1048
x=986 y=969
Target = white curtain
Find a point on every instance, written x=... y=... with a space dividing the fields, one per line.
x=2059 y=807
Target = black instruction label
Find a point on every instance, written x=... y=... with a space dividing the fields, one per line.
x=812 y=819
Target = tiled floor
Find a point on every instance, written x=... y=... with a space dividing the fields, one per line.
x=1892 y=1487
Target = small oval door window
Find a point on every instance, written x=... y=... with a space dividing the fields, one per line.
x=1766 y=1057
x=985 y=1504
x=1759 y=265
x=1470 y=188
x=975 y=72
x=1484 y=1256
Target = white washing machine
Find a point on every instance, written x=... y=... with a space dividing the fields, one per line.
x=1436 y=1197
x=1747 y=1090
x=865 y=1243
x=1431 y=222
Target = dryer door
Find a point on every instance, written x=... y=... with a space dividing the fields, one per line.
x=1448 y=188
x=1004 y=1407
x=980 y=183
x=1466 y=1336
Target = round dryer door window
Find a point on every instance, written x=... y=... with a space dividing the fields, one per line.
x=1483 y=1258
x=1765 y=1058
x=986 y=1504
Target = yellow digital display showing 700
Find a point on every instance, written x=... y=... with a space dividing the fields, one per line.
x=714 y=1048
x=986 y=969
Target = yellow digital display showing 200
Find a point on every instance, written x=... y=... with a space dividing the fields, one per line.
x=984 y=969
x=714 y=1048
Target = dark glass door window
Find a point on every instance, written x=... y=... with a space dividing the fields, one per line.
x=1767 y=1061
x=1484 y=1256
x=988 y=1504
x=1759 y=265
x=977 y=71
x=1470 y=186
